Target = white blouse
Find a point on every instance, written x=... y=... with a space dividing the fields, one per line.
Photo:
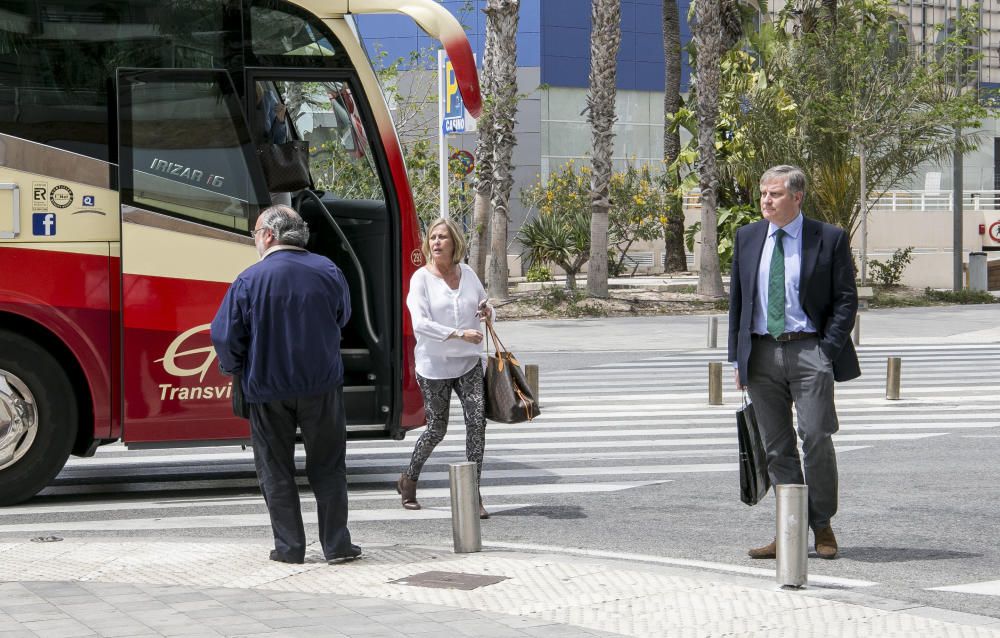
x=438 y=312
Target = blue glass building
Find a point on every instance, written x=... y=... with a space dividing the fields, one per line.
x=553 y=55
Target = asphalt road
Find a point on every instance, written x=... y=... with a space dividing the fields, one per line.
x=628 y=458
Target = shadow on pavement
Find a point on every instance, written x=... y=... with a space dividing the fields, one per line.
x=557 y=512
x=900 y=554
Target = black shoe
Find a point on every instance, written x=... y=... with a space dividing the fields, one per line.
x=281 y=558
x=350 y=554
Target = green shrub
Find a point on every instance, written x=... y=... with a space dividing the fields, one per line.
x=538 y=272
x=891 y=272
x=960 y=296
x=616 y=267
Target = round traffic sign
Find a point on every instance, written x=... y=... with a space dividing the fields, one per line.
x=466 y=158
x=995 y=232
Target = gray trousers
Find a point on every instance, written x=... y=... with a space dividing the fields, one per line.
x=782 y=374
x=322 y=422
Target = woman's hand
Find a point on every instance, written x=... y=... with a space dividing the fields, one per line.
x=485 y=312
x=472 y=336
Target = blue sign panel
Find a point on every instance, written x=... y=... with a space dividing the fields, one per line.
x=454 y=108
x=43 y=224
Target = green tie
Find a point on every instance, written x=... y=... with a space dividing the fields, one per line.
x=776 y=288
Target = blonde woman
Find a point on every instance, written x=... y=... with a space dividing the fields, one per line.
x=447 y=303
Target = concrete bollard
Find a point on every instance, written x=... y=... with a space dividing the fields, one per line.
x=792 y=535
x=892 y=369
x=465 y=507
x=713 y=332
x=856 y=333
x=531 y=374
x=978 y=272
x=715 y=383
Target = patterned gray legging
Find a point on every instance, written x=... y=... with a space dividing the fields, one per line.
x=437 y=397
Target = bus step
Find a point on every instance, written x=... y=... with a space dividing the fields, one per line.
x=359 y=388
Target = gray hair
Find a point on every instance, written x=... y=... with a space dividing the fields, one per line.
x=287 y=226
x=793 y=176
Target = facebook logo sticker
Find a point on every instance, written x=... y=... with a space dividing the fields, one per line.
x=43 y=224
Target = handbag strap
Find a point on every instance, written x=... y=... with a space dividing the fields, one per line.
x=502 y=352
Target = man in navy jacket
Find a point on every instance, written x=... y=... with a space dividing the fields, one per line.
x=278 y=328
x=792 y=307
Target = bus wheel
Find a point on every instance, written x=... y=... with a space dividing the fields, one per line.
x=38 y=418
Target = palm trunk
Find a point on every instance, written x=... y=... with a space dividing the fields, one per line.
x=480 y=229
x=707 y=34
x=502 y=19
x=605 y=39
x=675 y=259
x=485 y=144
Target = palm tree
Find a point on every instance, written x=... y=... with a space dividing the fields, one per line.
x=501 y=63
x=675 y=259
x=485 y=143
x=718 y=26
x=708 y=36
x=605 y=38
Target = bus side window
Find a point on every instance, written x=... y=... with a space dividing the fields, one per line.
x=185 y=147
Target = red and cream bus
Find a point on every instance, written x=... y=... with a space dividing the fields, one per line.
x=129 y=179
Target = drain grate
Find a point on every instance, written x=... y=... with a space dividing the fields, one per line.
x=449 y=580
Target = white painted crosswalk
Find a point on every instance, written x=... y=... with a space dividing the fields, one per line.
x=647 y=418
x=608 y=428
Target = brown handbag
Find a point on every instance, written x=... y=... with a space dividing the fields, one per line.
x=509 y=398
x=286 y=166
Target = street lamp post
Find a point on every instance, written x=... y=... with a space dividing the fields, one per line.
x=957 y=176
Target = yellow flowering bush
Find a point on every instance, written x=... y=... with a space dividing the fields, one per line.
x=560 y=233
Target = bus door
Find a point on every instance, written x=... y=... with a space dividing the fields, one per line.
x=350 y=221
x=191 y=189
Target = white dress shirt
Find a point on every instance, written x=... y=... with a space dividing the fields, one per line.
x=439 y=316
x=795 y=318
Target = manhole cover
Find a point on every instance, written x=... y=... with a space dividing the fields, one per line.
x=449 y=580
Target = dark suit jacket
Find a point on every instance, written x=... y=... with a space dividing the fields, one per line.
x=827 y=293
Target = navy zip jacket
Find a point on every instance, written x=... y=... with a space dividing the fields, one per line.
x=279 y=326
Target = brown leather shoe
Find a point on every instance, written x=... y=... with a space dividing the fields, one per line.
x=826 y=542
x=767 y=551
x=407 y=488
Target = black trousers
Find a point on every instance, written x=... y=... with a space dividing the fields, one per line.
x=321 y=420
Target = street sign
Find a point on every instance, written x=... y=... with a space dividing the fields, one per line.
x=454 y=108
x=466 y=158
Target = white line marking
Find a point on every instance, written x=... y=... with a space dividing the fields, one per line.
x=307 y=498
x=632 y=398
x=563 y=472
x=680 y=562
x=986 y=588
x=240 y=520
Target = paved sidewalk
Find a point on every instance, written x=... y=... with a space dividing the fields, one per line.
x=194 y=587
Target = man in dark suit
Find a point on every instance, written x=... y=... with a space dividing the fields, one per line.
x=792 y=307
